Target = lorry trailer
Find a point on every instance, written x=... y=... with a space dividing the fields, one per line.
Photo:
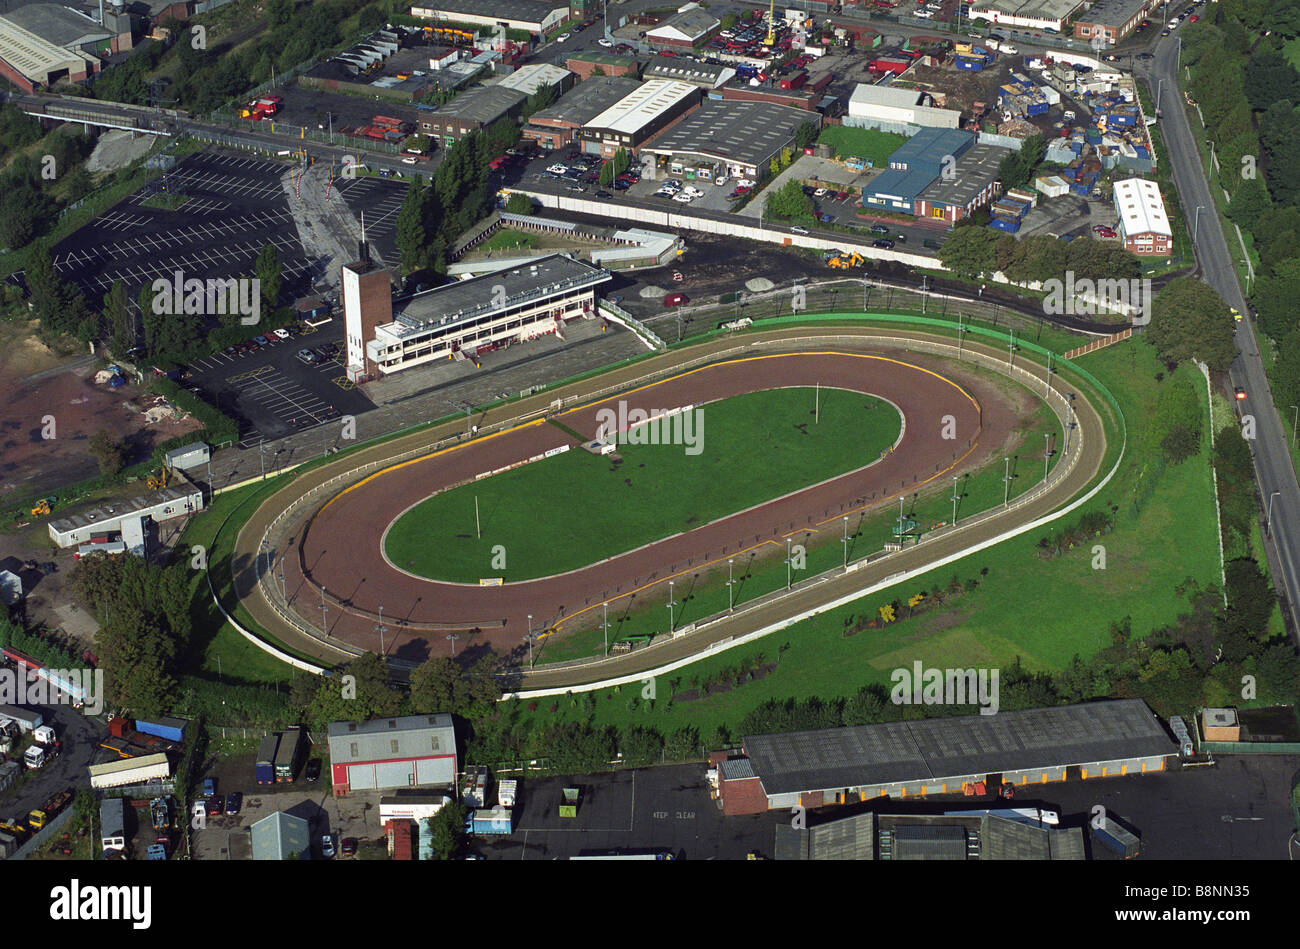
x=289 y=755
x=131 y=771
x=265 y=768
x=1114 y=837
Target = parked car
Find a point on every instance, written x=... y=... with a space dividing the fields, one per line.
x=260 y=340
x=676 y=299
x=234 y=801
x=216 y=806
x=1239 y=392
x=798 y=230
x=683 y=198
x=604 y=42
x=312 y=773
x=825 y=218
x=209 y=787
x=327 y=846
x=879 y=229
x=280 y=333
x=307 y=356
x=819 y=192
x=604 y=194
x=559 y=39
x=883 y=243
x=349 y=846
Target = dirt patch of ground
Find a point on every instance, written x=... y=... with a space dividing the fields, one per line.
x=21 y=353
x=71 y=407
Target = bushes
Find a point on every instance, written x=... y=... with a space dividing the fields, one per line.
x=219 y=428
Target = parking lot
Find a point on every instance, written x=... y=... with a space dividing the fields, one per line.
x=274 y=391
x=376 y=201
x=235 y=206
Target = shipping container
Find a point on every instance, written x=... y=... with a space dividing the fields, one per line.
x=1115 y=838
x=794 y=81
x=112 y=824
x=497 y=820
x=289 y=757
x=418 y=807
x=24 y=718
x=971 y=65
x=172 y=729
x=131 y=771
x=894 y=66
x=998 y=224
x=265 y=767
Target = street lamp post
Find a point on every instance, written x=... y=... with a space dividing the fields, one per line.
x=324 y=627
x=1006 y=481
x=789 y=573
x=1196 y=222
x=380 y=627
x=605 y=625
x=955 y=498
x=731 y=598
x=1268 y=526
x=672 y=619
x=453 y=637
x=1295 y=416
x=530 y=640
x=846 y=542
x=1047 y=452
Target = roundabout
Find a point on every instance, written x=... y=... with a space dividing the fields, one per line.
x=331 y=550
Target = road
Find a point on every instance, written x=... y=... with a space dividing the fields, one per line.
x=1274 y=471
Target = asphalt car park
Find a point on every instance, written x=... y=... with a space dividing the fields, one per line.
x=665 y=810
x=376 y=201
x=272 y=392
x=235 y=206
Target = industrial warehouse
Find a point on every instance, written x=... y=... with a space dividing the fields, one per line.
x=556 y=126
x=387 y=753
x=941 y=756
x=462 y=319
x=937 y=174
x=636 y=118
x=737 y=138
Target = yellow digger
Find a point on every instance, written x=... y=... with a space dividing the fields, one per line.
x=157 y=479
x=42 y=507
x=845 y=261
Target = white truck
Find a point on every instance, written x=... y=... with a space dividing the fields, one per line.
x=43 y=750
x=1002 y=46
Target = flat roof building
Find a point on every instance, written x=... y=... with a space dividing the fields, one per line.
x=1143 y=223
x=472 y=110
x=1036 y=14
x=740 y=137
x=686 y=29
x=969 y=835
x=943 y=755
x=973 y=184
x=31 y=61
x=914 y=166
x=531 y=15
x=126 y=517
x=465 y=319
x=1111 y=20
x=704 y=75
x=556 y=126
x=639 y=116
x=586 y=64
x=893 y=108
x=387 y=753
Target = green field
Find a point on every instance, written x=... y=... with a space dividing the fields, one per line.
x=1042 y=611
x=873 y=145
x=509 y=240
x=575 y=509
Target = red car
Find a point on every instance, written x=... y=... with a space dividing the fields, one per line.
x=667 y=52
x=1193 y=18
x=676 y=299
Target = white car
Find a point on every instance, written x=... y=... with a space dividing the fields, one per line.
x=693 y=192
x=819 y=193
x=558 y=169
x=281 y=333
x=408 y=161
x=719 y=181
x=744 y=183
x=562 y=37
x=683 y=198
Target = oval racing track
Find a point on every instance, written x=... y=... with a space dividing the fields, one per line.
x=341 y=548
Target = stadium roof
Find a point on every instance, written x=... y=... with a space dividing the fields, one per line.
x=635 y=111
x=1141 y=209
x=588 y=99
x=468 y=299
x=745 y=132
x=58 y=24
x=937 y=748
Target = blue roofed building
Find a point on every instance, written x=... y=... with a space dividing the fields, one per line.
x=915 y=181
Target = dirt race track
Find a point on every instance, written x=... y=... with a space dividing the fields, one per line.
x=340 y=547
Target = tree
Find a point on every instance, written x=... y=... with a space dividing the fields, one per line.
x=789 y=203
x=641 y=746
x=1190 y=321
x=970 y=251
x=606 y=174
x=683 y=744
x=411 y=227
x=866 y=707
x=267 y=271
x=519 y=203
x=109 y=451
x=433 y=685
x=447 y=828
x=1016 y=170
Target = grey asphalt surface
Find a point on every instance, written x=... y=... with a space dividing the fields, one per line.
x=1274 y=471
x=80 y=736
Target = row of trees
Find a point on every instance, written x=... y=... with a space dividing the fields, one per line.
x=978 y=252
x=29 y=206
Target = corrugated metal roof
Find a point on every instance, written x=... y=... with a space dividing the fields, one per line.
x=736 y=769
x=385 y=739
x=638 y=109
x=1141 y=209
x=935 y=749
x=929 y=842
x=278 y=835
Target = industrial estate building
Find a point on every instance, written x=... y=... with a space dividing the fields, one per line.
x=942 y=755
x=586 y=64
x=532 y=79
x=685 y=30
x=1143 y=223
x=1111 y=20
x=388 y=753
x=729 y=137
x=894 y=109
x=534 y=16
x=43 y=44
x=1045 y=15
x=638 y=117
x=937 y=174
x=957 y=835
x=462 y=319
x=123 y=525
x=472 y=110
x=557 y=126
x=704 y=75
x=281 y=836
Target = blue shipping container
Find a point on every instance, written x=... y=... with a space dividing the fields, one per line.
x=1037 y=108
x=972 y=65
x=173 y=729
x=998 y=224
